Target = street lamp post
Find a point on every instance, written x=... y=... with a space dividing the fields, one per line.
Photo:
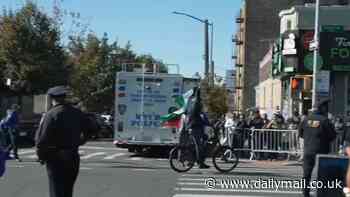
x=212 y=72
x=316 y=49
x=206 y=46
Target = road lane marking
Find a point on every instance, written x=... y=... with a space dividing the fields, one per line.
x=88 y=156
x=114 y=156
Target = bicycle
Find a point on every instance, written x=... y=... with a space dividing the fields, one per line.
x=186 y=153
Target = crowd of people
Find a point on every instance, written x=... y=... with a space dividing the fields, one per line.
x=269 y=140
x=257 y=120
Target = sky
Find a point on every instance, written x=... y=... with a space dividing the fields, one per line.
x=152 y=29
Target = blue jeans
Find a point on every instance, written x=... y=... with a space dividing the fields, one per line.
x=8 y=140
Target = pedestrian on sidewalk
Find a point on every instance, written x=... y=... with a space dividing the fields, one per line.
x=256 y=123
x=9 y=127
x=275 y=141
x=57 y=141
x=318 y=132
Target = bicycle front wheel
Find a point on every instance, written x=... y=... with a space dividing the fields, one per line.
x=225 y=159
x=181 y=159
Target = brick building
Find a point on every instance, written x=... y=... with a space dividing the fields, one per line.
x=258 y=25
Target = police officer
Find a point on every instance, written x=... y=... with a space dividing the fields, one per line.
x=57 y=141
x=318 y=132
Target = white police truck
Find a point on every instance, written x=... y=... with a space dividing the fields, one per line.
x=140 y=100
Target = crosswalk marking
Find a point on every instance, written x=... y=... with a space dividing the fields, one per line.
x=135 y=158
x=191 y=183
x=92 y=155
x=102 y=148
x=190 y=179
x=114 y=156
x=23 y=152
x=32 y=156
x=235 y=190
x=204 y=195
x=240 y=170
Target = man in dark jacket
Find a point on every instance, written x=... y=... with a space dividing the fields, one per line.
x=257 y=122
x=57 y=141
x=318 y=132
x=196 y=123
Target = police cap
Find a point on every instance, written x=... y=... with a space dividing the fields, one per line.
x=57 y=91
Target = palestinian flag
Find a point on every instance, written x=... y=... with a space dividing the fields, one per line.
x=173 y=120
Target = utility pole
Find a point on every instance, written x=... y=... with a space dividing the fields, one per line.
x=212 y=72
x=209 y=78
x=206 y=49
x=316 y=49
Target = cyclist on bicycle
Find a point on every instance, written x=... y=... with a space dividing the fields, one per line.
x=196 y=122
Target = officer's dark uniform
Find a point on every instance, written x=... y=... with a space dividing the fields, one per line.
x=318 y=132
x=57 y=141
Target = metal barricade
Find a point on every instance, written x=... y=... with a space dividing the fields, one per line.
x=336 y=146
x=274 y=141
x=237 y=138
x=278 y=141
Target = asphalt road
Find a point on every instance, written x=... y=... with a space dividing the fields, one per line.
x=107 y=171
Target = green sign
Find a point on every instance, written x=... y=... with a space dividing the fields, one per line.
x=341 y=68
x=335 y=50
x=332 y=28
x=309 y=62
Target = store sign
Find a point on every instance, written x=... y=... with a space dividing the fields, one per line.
x=335 y=50
x=323 y=81
x=289 y=45
x=332 y=28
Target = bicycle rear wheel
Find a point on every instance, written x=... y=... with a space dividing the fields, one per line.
x=181 y=159
x=225 y=159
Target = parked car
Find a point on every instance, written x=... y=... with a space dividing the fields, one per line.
x=105 y=130
x=26 y=132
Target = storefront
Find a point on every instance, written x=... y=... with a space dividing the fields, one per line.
x=335 y=52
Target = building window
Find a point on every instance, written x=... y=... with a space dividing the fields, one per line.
x=343 y=2
x=289 y=25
